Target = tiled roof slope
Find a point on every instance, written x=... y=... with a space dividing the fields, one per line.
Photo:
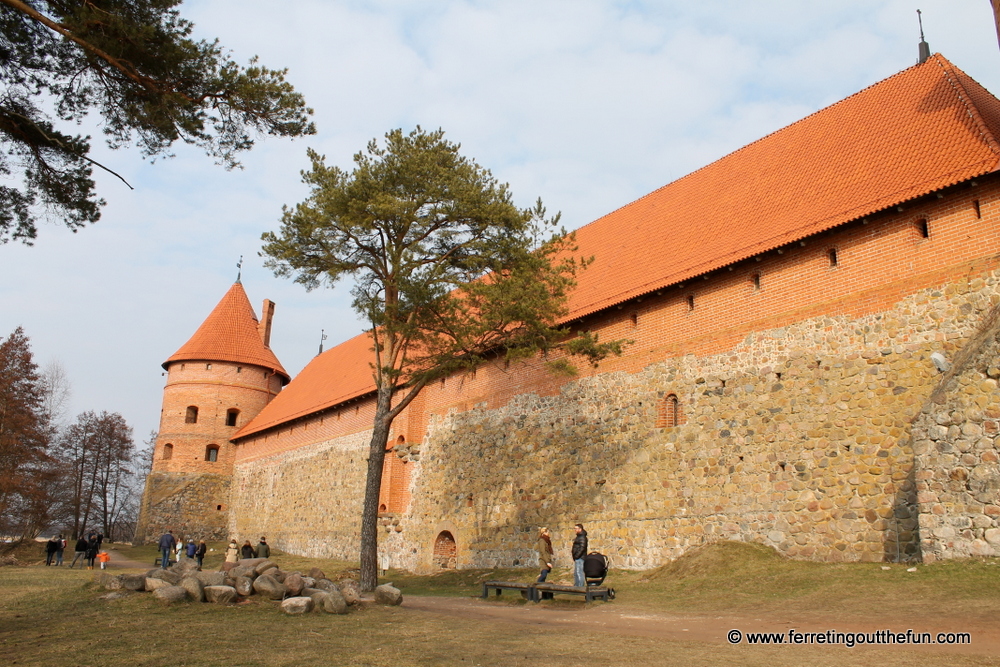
x=230 y=333
x=927 y=127
x=339 y=374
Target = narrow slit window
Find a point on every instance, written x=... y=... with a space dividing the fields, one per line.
x=191 y=415
x=168 y=452
x=690 y=301
x=634 y=319
x=922 y=228
x=231 y=416
x=755 y=281
x=976 y=208
x=832 y=255
x=212 y=453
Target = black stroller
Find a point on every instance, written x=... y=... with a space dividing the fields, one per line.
x=595 y=570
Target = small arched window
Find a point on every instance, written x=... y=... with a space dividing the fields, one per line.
x=669 y=413
x=231 y=415
x=191 y=416
x=212 y=453
x=168 y=452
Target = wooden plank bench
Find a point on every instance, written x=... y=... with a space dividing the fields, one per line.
x=527 y=590
x=590 y=593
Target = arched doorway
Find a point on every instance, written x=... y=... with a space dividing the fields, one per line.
x=445 y=550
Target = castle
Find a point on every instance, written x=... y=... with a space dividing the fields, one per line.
x=814 y=366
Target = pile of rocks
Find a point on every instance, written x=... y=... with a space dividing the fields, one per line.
x=252 y=576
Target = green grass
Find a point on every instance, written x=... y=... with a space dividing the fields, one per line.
x=55 y=616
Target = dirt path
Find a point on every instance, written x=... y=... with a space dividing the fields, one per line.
x=119 y=561
x=617 y=618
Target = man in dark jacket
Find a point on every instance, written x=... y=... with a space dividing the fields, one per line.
x=167 y=545
x=263 y=550
x=247 y=550
x=50 y=550
x=80 y=552
x=579 y=551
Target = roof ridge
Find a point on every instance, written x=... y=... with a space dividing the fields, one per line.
x=745 y=147
x=963 y=95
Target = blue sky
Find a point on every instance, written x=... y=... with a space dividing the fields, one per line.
x=589 y=104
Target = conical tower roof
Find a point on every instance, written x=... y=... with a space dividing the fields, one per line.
x=230 y=333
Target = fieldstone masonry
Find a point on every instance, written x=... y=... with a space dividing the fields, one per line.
x=192 y=504
x=801 y=437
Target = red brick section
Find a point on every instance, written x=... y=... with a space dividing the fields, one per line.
x=445 y=550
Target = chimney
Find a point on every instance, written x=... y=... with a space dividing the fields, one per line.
x=264 y=326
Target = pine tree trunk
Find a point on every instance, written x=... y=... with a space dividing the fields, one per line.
x=373 y=486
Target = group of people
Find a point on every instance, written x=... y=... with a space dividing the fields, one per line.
x=170 y=545
x=87 y=550
x=546 y=556
x=235 y=553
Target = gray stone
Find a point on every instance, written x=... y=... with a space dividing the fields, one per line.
x=242 y=570
x=227 y=566
x=155 y=584
x=252 y=562
x=244 y=586
x=170 y=594
x=334 y=602
x=132 y=582
x=309 y=582
x=264 y=566
x=211 y=578
x=269 y=587
x=308 y=591
x=194 y=587
x=326 y=585
x=277 y=575
x=317 y=573
x=294 y=584
x=169 y=576
x=297 y=605
x=350 y=590
x=220 y=594
x=185 y=566
x=388 y=594
x=114 y=595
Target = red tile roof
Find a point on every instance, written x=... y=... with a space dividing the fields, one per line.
x=230 y=333
x=927 y=127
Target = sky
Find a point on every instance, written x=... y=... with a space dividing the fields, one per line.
x=588 y=104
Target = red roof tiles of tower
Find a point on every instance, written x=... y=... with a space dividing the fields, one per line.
x=921 y=130
x=230 y=333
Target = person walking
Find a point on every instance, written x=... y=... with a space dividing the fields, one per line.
x=545 y=554
x=50 y=551
x=200 y=552
x=166 y=544
x=80 y=551
x=579 y=552
x=59 y=549
x=232 y=552
x=91 y=551
x=263 y=550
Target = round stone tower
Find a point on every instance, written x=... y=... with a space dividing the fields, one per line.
x=216 y=382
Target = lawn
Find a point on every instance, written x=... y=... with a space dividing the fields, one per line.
x=51 y=616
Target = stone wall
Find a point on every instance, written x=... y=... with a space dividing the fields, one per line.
x=191 y=504
x=798 y=437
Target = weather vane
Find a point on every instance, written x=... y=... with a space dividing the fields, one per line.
x=239 y=269
x=322 y=337
x=924 y=48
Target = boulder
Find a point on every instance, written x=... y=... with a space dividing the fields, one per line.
x=269 y=587
x=388 y=594
x=168 y=576
x=310 y=582
x=227 y=566
x=220 y=594
x=326 y=585
x=264 y=566
x=186 y=566
x=155 y=584
x=242 y=570
x=244 y=586
x=170 y=594
x=297 y=605
x=252 y=562
x=294 y=583
x=332 y=602
x=317 y=573
x=114 y=595
x=277 y=574
x=350 y=590
x=211 y=578
x=195 y=589
x=126 y=582
x=308 y=592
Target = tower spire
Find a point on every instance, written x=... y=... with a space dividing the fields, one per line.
x=924 y=49
x=322 y=337
x=239 y=270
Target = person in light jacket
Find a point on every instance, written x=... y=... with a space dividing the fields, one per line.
x=232 y=552
x=545 y=556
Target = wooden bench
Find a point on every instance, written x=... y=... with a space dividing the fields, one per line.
x=527 y=590
x=590 y=593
